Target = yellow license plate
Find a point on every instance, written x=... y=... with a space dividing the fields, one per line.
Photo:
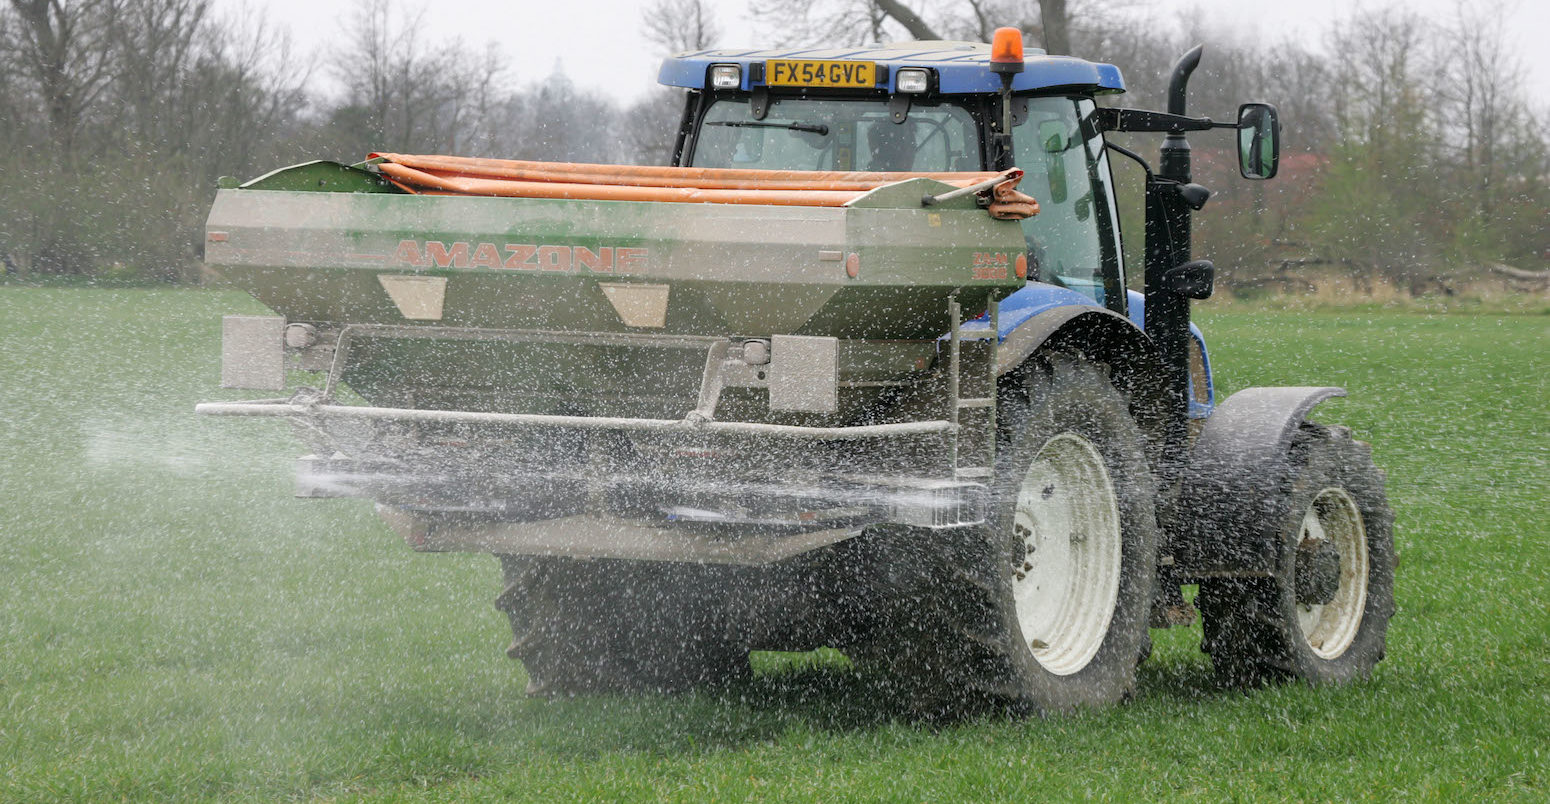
x=847 y=74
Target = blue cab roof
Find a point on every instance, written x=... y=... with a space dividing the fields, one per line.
x=961 y=67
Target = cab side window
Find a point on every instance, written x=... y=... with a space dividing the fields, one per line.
x=1064 y=168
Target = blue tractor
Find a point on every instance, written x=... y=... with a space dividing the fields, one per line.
x=1282 y=523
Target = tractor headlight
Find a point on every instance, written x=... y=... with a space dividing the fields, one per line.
x=726 y=76
x=912 y=80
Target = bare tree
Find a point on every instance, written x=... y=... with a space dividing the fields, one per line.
x=564 y=124
x=1381 y=186
x=680 y=25
x=67 y=57
x=1380 y=99
x=859 y=21
x=403 y=93
x=806 y=22
x=651 y=129
x=382 y=69
x=134 y=107
x=1480 y=84
x=13 y=104
x=246 y=93
x=155 y=45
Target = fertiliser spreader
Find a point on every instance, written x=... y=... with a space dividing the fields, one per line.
x=859 y=370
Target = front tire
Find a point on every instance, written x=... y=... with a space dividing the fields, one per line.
x=1324 y=615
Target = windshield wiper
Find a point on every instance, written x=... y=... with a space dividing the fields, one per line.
x=811 y=128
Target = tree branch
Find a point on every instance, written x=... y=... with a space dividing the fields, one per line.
x=909 y=19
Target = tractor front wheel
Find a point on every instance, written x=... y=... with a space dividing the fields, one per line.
x=1323 y=616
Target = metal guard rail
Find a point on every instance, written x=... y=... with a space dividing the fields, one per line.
x=289 y=409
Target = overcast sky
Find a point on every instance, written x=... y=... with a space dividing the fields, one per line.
x=599 y=45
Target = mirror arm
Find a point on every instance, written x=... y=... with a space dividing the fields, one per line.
x=1141 y=120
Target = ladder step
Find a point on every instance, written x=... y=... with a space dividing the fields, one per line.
x=978 y=402
x=972 y=471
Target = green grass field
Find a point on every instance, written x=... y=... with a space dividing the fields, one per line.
x=173 y=625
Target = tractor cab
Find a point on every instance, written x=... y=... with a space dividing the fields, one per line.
x=955 y=106
x=922 y=107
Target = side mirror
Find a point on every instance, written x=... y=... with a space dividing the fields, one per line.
x=1259 y=141
x=1192 y=280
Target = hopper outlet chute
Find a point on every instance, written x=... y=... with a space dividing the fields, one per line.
x=418 y=298
x=637 y=305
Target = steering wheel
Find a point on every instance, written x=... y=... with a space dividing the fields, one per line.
x=938 y=128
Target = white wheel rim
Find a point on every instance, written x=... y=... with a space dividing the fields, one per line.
x=1067 y=584
x=1330 y=628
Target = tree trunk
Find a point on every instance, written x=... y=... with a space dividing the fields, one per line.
x=49 y=39
x=1057 y=28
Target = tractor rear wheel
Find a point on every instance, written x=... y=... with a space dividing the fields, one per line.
x=587 y=626
x=1324 y=615
x=1044 y=608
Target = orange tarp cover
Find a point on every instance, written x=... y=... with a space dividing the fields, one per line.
x=510 y=178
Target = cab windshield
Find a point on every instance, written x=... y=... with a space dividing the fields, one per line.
x=1074 y=240
x=835 y=134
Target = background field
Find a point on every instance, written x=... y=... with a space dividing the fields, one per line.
x=174 y=625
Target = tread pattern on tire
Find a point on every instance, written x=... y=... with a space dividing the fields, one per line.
x=587 y=626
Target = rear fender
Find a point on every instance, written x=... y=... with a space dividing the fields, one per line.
x=1101 y=336
x=1234 y=492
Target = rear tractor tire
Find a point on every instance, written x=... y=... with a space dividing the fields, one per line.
x=1323 y=617
x=1045 y=608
